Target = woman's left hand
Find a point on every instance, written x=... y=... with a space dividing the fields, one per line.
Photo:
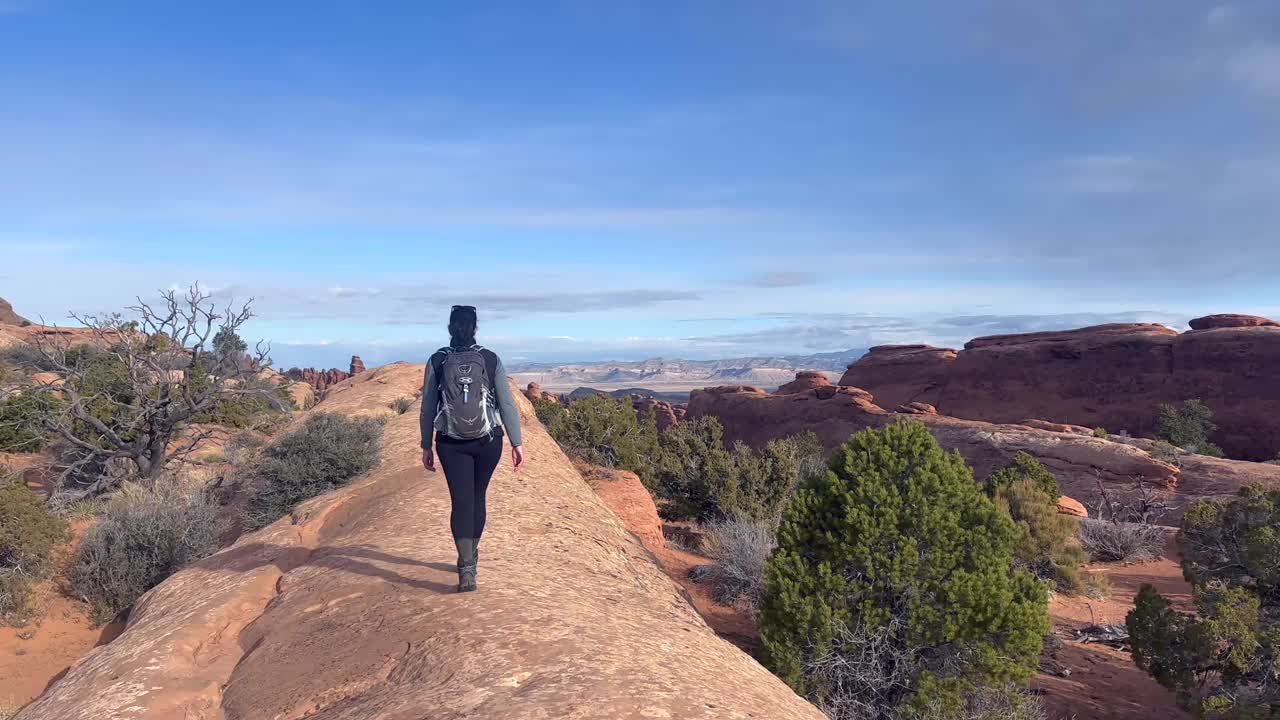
x=517 y=456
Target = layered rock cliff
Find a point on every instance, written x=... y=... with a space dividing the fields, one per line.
x=1079 y=461
x=344 y=611
x=1114 y=376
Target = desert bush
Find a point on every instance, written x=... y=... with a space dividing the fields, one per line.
x=146 y=534
x=1189 y=427
x=1112 y=541
x=241 y=446
x=402 y=404
x=1047 y=546
x=327 y=452
x=1220 y=660
x=548 y=411
x=898 y=540
x=29 y=537
x=738 y=547
x=696 y=477
x=1101 y=432
x=22 y=421
x=605 y=431
x=1164 y=451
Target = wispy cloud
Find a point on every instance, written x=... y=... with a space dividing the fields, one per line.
x=1257 y=69
x=1108 y=174
x=782 y=279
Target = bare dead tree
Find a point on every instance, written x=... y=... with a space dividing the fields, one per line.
x=127 y=405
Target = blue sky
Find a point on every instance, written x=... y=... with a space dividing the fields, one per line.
x=619 y=180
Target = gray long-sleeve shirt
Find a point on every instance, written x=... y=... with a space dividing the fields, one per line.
x=509 y=415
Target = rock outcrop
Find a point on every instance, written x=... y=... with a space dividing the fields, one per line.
x=319 y=380
x=1079 y=461
x=805 y=380
x=668 y=414
x=1112 y=376
x=345 y=610
x=357 y=365
x=8 y=316
x=1229 y=320
x=535 y=392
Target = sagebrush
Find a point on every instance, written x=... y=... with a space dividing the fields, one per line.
x=146 y=533
x=738 y=548
x=327 y=452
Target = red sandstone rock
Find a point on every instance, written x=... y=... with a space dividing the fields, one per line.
x=918 y=408
x=357 y=365
x=667 y=413
x=535 y=392
x=1111 y=376
x=321 y=380
x=1231 y=320
x=1056 y=427
x=1071 y=506
x=805 y=380
x=8 y=316
x=1077 y=461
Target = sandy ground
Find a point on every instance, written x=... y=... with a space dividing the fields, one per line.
x=33 y=656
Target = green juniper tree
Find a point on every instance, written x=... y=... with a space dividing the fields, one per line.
x=894 y=567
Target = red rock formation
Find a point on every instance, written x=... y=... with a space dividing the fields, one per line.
x=1230 y=320
x=357 y=365
x=805 y=380
x=535 y=392
x=918 y=408
x=1112 y=376
x=8 y=316
x=321 y=380
x=1056 y=427
x=668 y=414
x=1078 y=461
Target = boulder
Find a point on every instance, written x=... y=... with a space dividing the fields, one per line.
x=917 y=408
x=1071 y=506
x=535 y=392
x=1112 y=376
x=667 y=413
x=345 y=610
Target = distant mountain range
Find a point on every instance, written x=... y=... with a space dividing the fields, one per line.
x=663 y=374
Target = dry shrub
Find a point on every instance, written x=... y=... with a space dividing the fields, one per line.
x=29 y=537
x=1110 y=541
x=146 y=534
x=739 y=547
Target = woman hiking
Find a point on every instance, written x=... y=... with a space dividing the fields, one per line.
x=467 y=402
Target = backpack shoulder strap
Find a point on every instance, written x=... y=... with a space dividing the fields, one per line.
x=491 y=367
x=437 y=363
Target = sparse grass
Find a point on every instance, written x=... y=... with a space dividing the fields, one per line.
x=214 y=458
x=1101 y=432
x=1097 y=586
x=1111 y=541
x=242 y=446
x=402 y=404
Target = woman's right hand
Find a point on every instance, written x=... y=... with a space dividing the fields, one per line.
x=517 y=456
x=428 y=460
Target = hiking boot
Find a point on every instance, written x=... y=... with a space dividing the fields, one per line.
x=466 y=564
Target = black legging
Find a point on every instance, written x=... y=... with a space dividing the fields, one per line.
x=468 y=465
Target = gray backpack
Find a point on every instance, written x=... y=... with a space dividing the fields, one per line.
x=467 y=395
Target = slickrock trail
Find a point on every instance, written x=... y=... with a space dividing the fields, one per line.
x=345 y=610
